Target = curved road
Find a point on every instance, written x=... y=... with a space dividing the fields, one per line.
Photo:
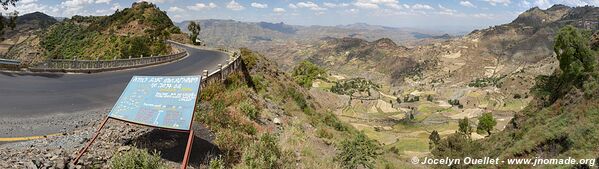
x=27 y=95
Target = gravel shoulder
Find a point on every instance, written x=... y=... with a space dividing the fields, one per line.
x=50 y=124
x=76 y=129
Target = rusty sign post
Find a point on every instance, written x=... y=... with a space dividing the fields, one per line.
x=164 y=102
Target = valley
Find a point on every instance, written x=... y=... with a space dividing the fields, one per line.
x=308 y=96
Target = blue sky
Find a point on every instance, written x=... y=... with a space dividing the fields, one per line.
x=430 y=14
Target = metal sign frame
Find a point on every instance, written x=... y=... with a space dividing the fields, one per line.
x=190 y=131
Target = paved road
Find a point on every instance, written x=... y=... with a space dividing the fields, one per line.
x=28 y=95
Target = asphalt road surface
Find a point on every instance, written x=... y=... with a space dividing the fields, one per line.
x=28 y=95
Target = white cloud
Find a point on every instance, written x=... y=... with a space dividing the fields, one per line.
x=495 y=2
x=446 y=11
x=484 y=15
x=103 y=1
x=115 y=6
x=524 y=4
x=72 y=7
x=334 y=5
x=103 y=12
x=292 y=6
x=27 y=1
x=202 y=6
x=374 y=4
x=467 y=4
x=235 y=6
x=310 y=5
x=279 y=10
x=366 y=5
x=542 y=3
x=421 y=6
x=258 y=5
x=175 y=9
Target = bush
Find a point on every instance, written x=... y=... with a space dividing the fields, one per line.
x=217 y=163
x=429 y=98
x=517 y=96
x=330 y=119
x=263 y=154
x=351 y=86
x=137 y=158
x=358 y=151
x=487 y=81
x=306 y=72
x=249 y=58
x=249 y=110
x=465 y=128
x=324 y=133
x=456 y=146
x=434 y=139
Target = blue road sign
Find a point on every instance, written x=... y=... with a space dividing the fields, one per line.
x=160 y=101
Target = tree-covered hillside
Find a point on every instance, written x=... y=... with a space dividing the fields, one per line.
x=139 y=30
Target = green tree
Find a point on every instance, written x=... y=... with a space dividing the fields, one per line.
x=195 y=29
x=577 y=63
x=9 y=21
x=434 y=139
x=486 y=123
x=465 y=126
x=358 y=151
x=573 y=52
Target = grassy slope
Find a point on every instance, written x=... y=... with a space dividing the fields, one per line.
x=308 y=134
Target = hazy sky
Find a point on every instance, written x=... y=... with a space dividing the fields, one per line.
x=430 y=14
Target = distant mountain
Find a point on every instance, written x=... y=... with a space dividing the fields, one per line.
x=529 y=37
x=26 y=26
x=38 y=18
x=258 y=34
x=364 y=26
x=29 y=22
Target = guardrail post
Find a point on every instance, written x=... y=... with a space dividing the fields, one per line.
x=75 y=64
x=205 y=77
x=220 y=71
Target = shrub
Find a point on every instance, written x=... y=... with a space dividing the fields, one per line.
x=456 y=146
x=517 y=96
x=351 y=86
x=465 y=128
x=429 y=98
x=137 y=158
x=434 y=139
x=358 y=151
x=249 y=58
x=263 y=154
x=324 y=133
x=306 y=72
x=330 y=119
x=487 y=81
x=231 y=143
x=217 y=163
x=249 y=110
